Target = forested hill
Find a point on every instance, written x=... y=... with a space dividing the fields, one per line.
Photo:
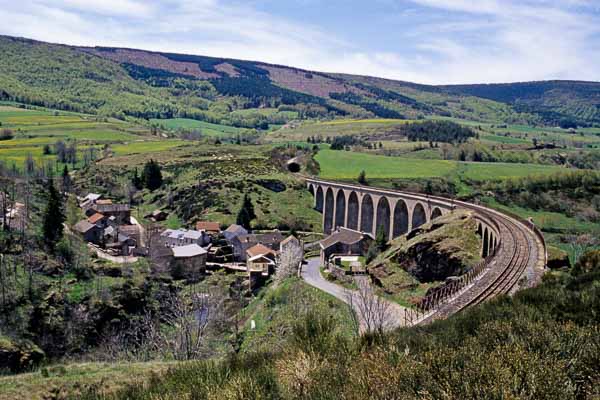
x=563 y=103
x=142 y=84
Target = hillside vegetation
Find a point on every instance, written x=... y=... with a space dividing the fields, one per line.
x=541 y=343
x=143 y=84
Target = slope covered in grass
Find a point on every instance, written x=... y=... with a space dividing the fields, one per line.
x=543 y=343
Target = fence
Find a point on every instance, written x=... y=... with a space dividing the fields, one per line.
x=443 y=294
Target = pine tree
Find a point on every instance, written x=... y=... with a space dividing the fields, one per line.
x=66 y=179
x=136 y=181
x=152 y=176
x=52 y=228
x=362 y=177
x=246 y=213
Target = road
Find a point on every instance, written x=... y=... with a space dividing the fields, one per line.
x=312 y=275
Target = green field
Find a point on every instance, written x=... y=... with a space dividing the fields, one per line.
x=34 y=129
x=206 y=128
x=347 y=165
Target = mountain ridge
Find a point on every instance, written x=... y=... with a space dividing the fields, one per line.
x=193 y=85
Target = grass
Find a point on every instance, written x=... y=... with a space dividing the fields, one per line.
x=367 y=121
x=34 y=129
x=280 y=308
x=143 y=147
x=206 y=128
x=58 y=381
x=482 y=172
x=546 y=220
x=347 y=165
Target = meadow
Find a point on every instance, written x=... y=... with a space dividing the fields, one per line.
x=206 y=128
x=347 y=165
x=33 y=129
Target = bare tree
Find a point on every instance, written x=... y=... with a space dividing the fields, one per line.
x=289 y=262
x=371 y=313
x=191 y=318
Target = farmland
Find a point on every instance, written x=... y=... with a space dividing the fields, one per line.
x=347 y=165
x=35 y=129
x=205 y=128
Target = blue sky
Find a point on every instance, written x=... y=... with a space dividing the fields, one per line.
x=426 y=41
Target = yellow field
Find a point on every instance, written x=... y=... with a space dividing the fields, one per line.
x=366 y=121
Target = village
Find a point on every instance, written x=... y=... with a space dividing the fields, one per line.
x=113 y=234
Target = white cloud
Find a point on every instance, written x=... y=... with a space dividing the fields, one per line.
x=445 y=41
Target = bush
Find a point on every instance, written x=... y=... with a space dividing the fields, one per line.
x=6 y=134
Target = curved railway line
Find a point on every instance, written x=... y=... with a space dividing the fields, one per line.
x=518 y=261
x=521 y=250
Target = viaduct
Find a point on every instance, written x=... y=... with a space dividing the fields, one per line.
x=512 y=248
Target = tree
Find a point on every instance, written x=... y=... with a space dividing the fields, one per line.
x=246 y=213
x=381 y=239
x=52 y=228
x=6 y=134
x=362 y=177
x=152 y=175
x=66 y=179
x=372 y=315
x=588 y=262
x=136 y=181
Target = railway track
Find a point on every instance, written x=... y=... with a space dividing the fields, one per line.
x=517 y=252
x=521 y=252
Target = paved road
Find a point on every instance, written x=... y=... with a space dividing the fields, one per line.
x=312 y=276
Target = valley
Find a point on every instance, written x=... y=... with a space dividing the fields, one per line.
x=158 y=211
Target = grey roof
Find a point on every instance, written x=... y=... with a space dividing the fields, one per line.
x=195 y=235
x=344 y=236
x=83 y=226
x=105 y=208
x=233 y=228
x=191 y=250
x=176 y=234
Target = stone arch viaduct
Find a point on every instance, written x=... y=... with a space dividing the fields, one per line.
x=513 y=248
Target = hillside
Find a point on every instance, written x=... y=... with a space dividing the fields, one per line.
x=564 y=103
x=143 y=84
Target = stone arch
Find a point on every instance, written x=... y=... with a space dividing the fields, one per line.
x=353 y=208
x=480 y=229
x=418 y=216
x=436 y=213
x=486 y=241
x=319 y=199
x=328 y=214
x=400 y=219
x=340 y=208
x=366 y=218
x=383 y=217
x=311 y=189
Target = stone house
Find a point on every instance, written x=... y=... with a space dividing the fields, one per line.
x=90 y=232
x=290 y=241
x=183 y=237
x=344 y=241
x=121 y=212
x=189 y=261
x=241 y=243
x=233 y=231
